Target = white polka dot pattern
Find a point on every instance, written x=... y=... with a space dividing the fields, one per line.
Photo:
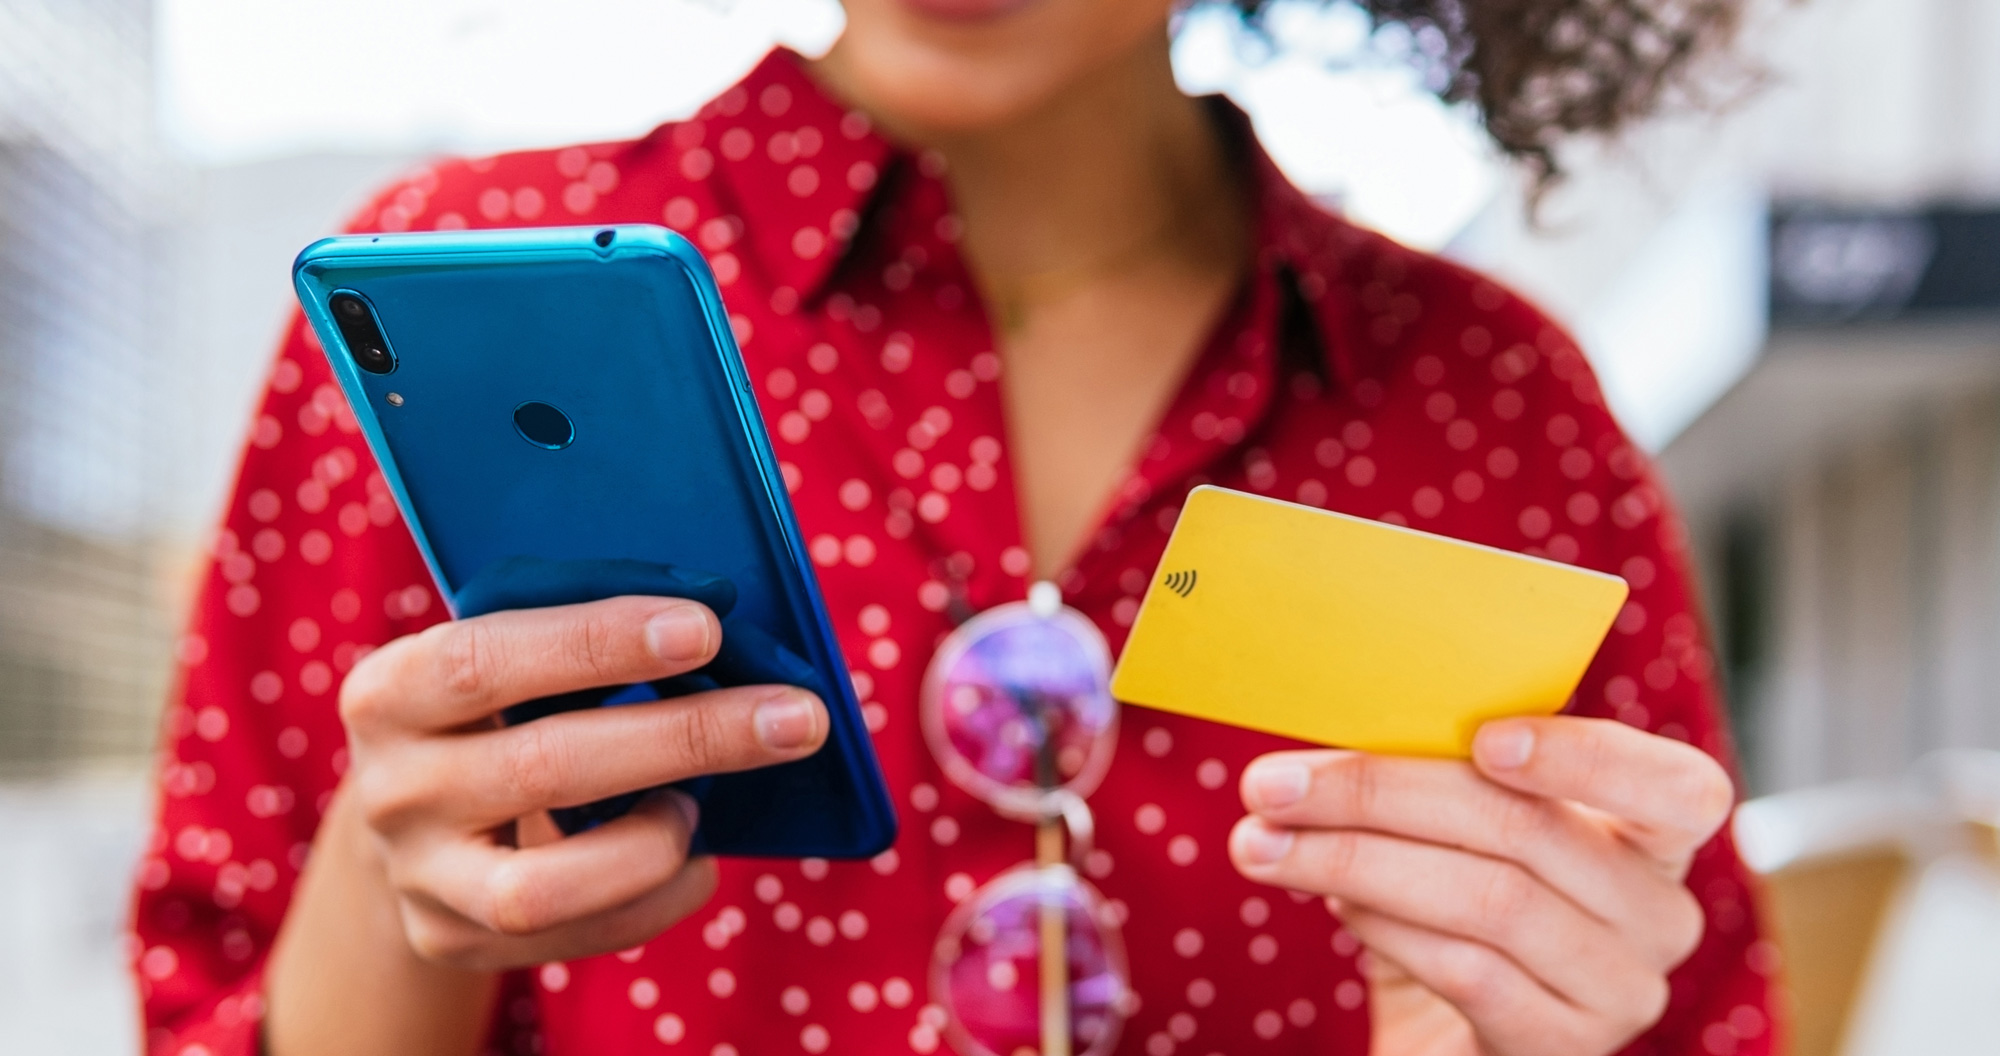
x=1422 y=395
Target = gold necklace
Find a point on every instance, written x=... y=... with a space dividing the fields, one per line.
x=1015 y=296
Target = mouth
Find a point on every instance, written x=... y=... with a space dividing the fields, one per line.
x=967 y=10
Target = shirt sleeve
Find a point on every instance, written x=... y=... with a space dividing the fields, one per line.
x=310 y=569
x=1656 y=671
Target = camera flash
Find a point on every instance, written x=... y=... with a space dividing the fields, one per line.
x=395 y=399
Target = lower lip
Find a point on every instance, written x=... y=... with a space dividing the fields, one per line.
x=967 y=10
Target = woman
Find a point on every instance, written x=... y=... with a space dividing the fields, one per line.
x=1007 y=295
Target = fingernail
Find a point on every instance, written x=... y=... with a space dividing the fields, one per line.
x=679 y=633
x=1505 y=746
x=690 y=810
x=1258 y=844
x=1274 y=783
x=788 y=720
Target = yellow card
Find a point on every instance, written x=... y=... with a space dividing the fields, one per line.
x=1350 y=632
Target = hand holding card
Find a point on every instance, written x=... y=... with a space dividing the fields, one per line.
x=1349 y=632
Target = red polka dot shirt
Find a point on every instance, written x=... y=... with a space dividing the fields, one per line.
x=1348 y=372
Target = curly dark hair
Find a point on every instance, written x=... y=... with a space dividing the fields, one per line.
x=1542 y=70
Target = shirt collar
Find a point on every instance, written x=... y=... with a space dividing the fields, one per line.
x=1298 y=244
x=831 y=160
x=825 y=157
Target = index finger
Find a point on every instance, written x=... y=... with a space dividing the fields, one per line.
x=463 y=671
x=575 y=757
x=1669 y=797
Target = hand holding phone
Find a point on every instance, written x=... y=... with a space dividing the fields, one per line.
x=436 y=781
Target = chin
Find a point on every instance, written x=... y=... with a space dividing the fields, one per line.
x=967 y=12
x=943 y=67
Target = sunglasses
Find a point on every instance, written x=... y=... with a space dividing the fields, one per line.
x=1017 y=708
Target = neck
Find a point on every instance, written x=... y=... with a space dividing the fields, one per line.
x=1121 y=165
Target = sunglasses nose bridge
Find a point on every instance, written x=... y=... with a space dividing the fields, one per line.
x=1078 y=823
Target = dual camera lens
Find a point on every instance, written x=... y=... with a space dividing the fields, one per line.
x=362 y=333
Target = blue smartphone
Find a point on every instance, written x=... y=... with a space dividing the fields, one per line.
x=563 y=415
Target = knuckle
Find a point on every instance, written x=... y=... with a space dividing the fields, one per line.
x=592 y=646
x=464 y=657
x=386 y=796
x=362 y=706
x=534 y=763
x=1469 y=975
x=1642 y=1005
x=1654 y=994
x=427 y=940
x=1595 y=758
x=1339 y=857
x=1687 y=924
x=1505 y=895
x=702 y=736
x=515 y=904
x=1521 y=821
x=1361 y=785
x=366 y=697
x=435 y=940
x=1708 y=793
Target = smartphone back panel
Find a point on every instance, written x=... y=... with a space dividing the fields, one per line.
x=665 y=461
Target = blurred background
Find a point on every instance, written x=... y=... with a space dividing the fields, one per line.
x=1792 y=298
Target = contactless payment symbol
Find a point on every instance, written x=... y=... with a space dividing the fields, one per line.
x=1181 y=583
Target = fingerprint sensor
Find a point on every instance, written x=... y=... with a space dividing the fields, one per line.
x=544 y=426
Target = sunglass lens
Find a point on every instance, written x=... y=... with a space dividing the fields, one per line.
x=1024 y=707
x=989 y=974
